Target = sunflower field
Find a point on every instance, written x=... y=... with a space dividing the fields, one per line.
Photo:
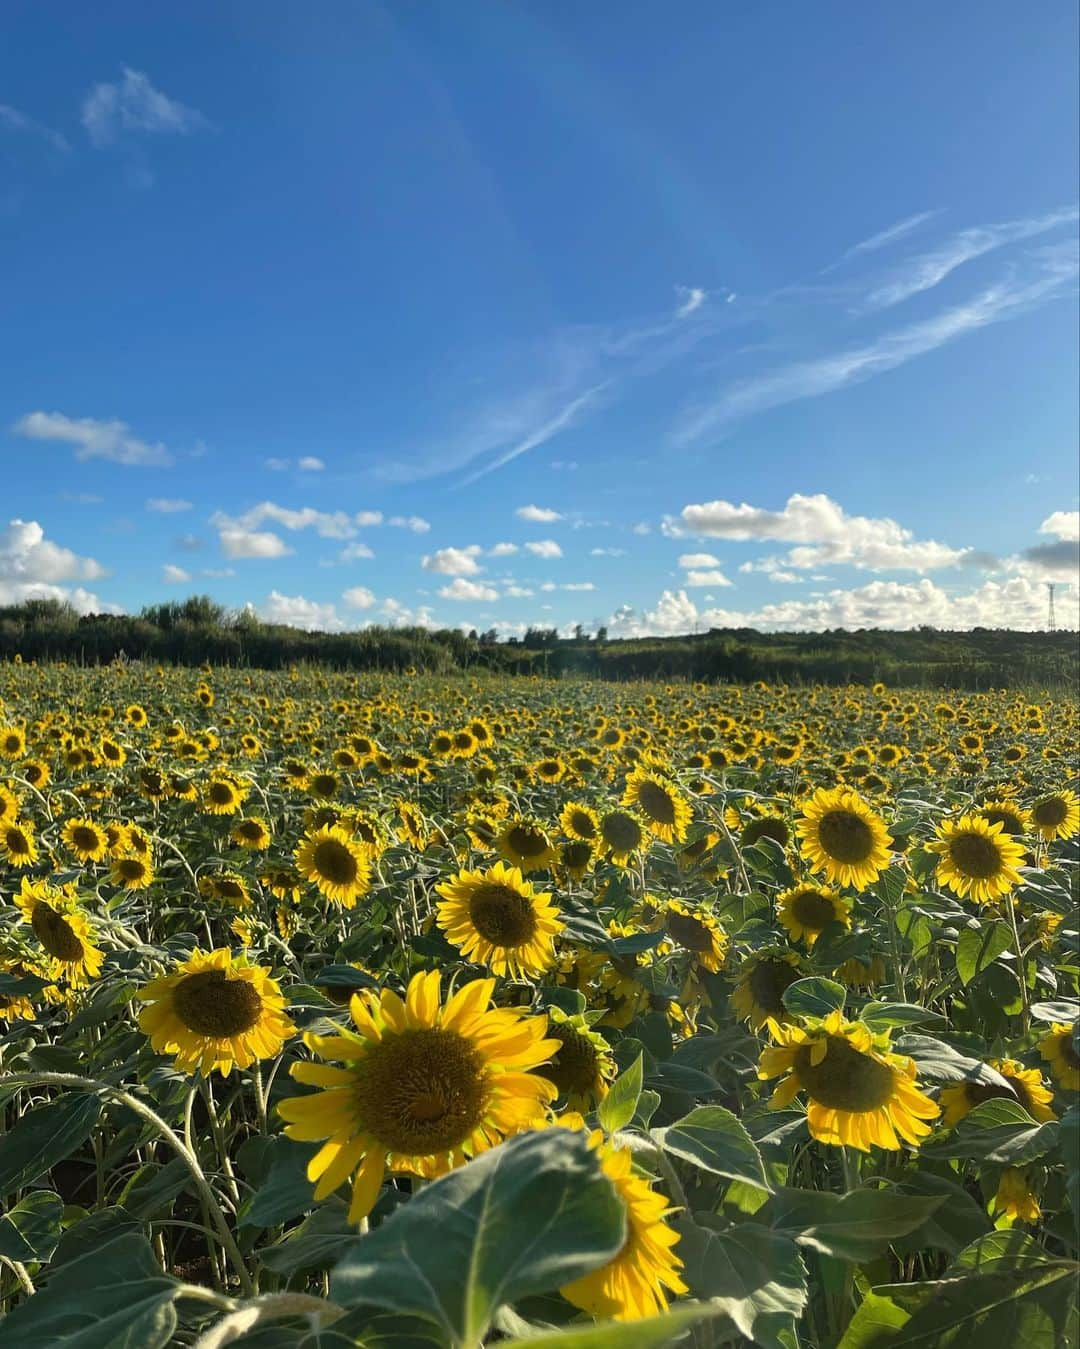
x=406 y=1012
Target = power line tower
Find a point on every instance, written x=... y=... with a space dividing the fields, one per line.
x=1051 y=622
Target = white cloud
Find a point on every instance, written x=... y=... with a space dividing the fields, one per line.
x=276 y=465
x=310 y=464
x=461 y=589
x=824 y=533
x=32 y=567
x=354 y=552
x=1063 y=524
x=890 y=235
x=538 y=515
x=690 y=298
x=134 y=105
x=503 y=550
x=399 y=615
x=367 y=518
x=13 y=120
x=711 y=577
x=294 y=611
x=607 y=552
x=698 y=560
x=217 y=573
x=548 y=586
x=642 y=527
x=539 y=436
x=516 y=592
x=168 y=505
x=415 y=523
x=327 y=524
x=358 y=597
x=546 y=548
x=173 y=575
x=579 y=585
x=252 y=543
x=93 y=439
x=454 y=561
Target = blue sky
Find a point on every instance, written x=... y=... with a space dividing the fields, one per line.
x=494 y=314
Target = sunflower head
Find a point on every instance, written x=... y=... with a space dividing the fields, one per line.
x=765 y=977
x=496 y=918
x=583 y=1066
x=525 y=845
x=843 y=837
x=977 y=860
x=664 y=810
x=807 y=910
x=1024 y=1085
x=336 y=863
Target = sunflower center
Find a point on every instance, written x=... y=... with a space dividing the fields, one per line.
x=210 y=1003
x=55 y=933
x=974 y=855
x=689 y=932
x=85 y=838
x=656 y=803
x=574 y=1067
x=621 y=833
x=581 y=824
x=845 y=836
x=527 y=842
x=1051 y=813
x=770 y=826
x=502 y=916
x=423 y=1091
x=813 y=910
x=845 y=1079
x=769 y=979
x=1010 y=823
x=220 y=793
x=17 y=842
x=131 y=868
x=334 y=862
x=1068 y=1051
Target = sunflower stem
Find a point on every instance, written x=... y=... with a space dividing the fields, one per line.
x=1025 y=1007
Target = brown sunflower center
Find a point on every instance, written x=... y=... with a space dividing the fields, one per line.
x=1067 y=1050
x=1051 y=813
x=621 y=833
x=974 y=855
x=526 y=841
x=85 y=839
x=423 y=1091
x=55 y=933
x=17 y=842
x=978 y=1092
x=689 y=932
x=769 y=826
x=250 y=829
x=212 y=1004
x=845 y=1079
x=582 y=824
x=656 y=803
x=813 y=910
x=131 y=868
x=221 y=793
x=769 y=980
x=1010 y=823
x=845 y=836
x=335 y=863
x=574 y=1067
x=501 y=915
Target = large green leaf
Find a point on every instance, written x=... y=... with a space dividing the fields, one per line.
x=44 y=1136
x=29 y=1232
x=285 y=1191
x=855 y=1226
x=713 y=1138
x=874 y=1324
x=952 y=1226
x=318 y=1243
x=998 y=1131
x=814 y=997
x=882 y=1016
x=980 y=946
x=112 y=1298
x=617 y=1108
x=527 y=1217
x=153 y=1188
x=752 y=1275
x=940 y=1062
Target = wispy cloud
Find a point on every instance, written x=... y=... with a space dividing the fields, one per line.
x=562 y=419
x=888 y=236
x=134 y=106
x=11 y=119
x=690 y=298
x=93 y=439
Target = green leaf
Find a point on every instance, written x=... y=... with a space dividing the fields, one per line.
x=940 y=1062
x=617 y=1108
x=44 y=1136
x=1070 y=1146
x=527 y=1217
x=29 y=1232
x=872 y=1326
x=285 y=1192
x=952 y=1227
x=1065 y=1011
x=979 y=947
x=655 y=1332
x=881 y=1016
x=815 y=997
x=1000 y=1250
x=754 y=1276
x=317 y=1243
x=714 y=1139
x=856 y=1226
x=92 y=1232
x=998 y=1131
x=153 y=1188
x=115 y=1297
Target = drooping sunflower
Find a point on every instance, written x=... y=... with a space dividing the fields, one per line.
x=622 y=835
x=525 y=845
x=17 y=845
x=857 y=972
x=336 y=863
x=414 y=828
x=636 y=1282
x=425 y=1086
x=843 y=837
x=252 y=833
x=62 y=929
x=1026 y=1087
x=1058 y=1048
x=977 y=860
x=583 y=1066
x=1014 y=1200
x=87 y=840
x=496 y=918
x=665 y=811
x=696 y=930
x=859 y=1092
x=575 y=858
x=1056 y=815
x=766 y=976
x=580 y=822
x=214 y=1012
x=807 y=910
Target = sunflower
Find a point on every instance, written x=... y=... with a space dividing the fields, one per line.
x=412 y=825
x=841 y=836
x=336 y=863
x=9 y=804
x=132 y=872
x=977 y=860
x=525 y=844
x=1058 y=1048
x=697 y=931
x=580 y=822
x=583 y=1067
x=1056 y=815
x=251 y=832
x=496 y=918
x=859 y=1092
x=807 y=910
x=1026 y=1087
x=88 y=841
x=664 y=810
x=758 y=996
x=426 y=1085
x=1013 y=819
x=575 y=858
x=636 y=1282
x=16 y=1006
x=549 y=770
x=622 y=835
x=223 y=796
x=215 y=1011
x=856 y=972
x=17 y=845
x=1014 y=1200
x=12 y=742
x=226 y=887
x=62 y=929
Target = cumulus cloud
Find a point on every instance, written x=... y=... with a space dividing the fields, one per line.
x=33 y=567
x=358 y=597
x=398 y=615
x=824 y=534
x=364 y=519
x=538 y=515
x=354 y=552
x=245 y=543
x=327 y=524
x=168 y=505
x=698 y=560
x=461 y=589
x=308 y=463
x=503 y=550
x=454 y=561
x=1062 y=524
x=546 y=548
x=710 y=577
x=607 y=552
x=93 y=439
x=173 y=575
x=579 y=585
x=516 y=592
x=134 y=106
x=416 y=524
